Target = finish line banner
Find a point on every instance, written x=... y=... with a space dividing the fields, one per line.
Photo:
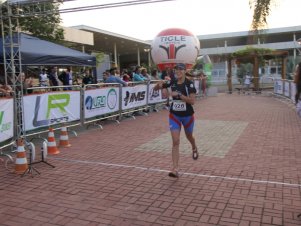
x=51 y=108
x=6 y=119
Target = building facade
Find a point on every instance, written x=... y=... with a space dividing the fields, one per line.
x=124 y=51
x=217 y=45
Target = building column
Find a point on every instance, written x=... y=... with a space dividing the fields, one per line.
x=149 y=59
x=295 y=52
x=284 y=61
x=115 y=56
x=138 y=56
x=255 y=73
x=229 y=75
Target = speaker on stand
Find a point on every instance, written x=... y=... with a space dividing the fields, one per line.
x=32 y=153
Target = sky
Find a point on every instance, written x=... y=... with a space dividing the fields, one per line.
x=201 y=17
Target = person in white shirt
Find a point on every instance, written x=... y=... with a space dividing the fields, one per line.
x=43 y=78
x=247 y=82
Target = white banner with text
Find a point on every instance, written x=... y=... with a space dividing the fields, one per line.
x=101 y=101
x=293 y=91
x=51 y=108
x=154 y=96
x=278 y=86
x=133 y=96
x=287 y=88
x=6 y=119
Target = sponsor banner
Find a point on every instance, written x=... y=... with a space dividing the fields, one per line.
x=6 y=119
x=101 y=101
x=197 y=86
x=286 y=89
x=293 y=91
x=275 y=86
x=154 y=96
x=278 y=88
x=134 y=96
x=51 y=108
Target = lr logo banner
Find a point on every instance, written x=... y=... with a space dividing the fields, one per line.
x=51 y=108
x=6 y=119
x=4 y=126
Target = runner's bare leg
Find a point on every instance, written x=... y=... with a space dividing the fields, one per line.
x=191 y=139
x=175 y=134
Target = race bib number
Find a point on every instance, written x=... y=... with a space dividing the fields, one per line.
x=179 y=106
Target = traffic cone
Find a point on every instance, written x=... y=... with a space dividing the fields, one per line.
x=51 y=144
x=21 y=162
x=64 y=139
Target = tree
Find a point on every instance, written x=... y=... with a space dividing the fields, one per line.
x=261 y=10
x=41 y=20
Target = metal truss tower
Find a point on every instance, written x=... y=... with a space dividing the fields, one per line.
x=11 y=11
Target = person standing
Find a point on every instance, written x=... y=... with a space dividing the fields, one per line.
x=66 y=78
x=105 y=75
x=125 y=76
x=181 y=113
x=145 y=75
x=137 y=76
x=247 y=82
x=114 y=79
x=53 y=78
x=43 y=79
x=70 y=77
x=154 y=75
x=24 y=82
x=87 y=79
x=204 y=83
x=5 y=89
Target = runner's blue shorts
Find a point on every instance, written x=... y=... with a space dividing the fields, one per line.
x=175 y=122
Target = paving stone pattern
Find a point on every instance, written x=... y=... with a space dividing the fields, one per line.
x=248 y=172
x=213 y=138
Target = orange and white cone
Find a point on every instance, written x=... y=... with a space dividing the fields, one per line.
x=51 y=144
x=21 y=162
x=64 y=139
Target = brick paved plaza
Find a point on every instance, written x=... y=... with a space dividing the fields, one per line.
x=248 y=172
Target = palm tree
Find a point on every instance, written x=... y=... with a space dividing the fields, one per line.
x=261 y=10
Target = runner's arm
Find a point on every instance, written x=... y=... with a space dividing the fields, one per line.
x=188 y=99
x=159 y=85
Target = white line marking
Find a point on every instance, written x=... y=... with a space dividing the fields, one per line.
x=181 y=173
